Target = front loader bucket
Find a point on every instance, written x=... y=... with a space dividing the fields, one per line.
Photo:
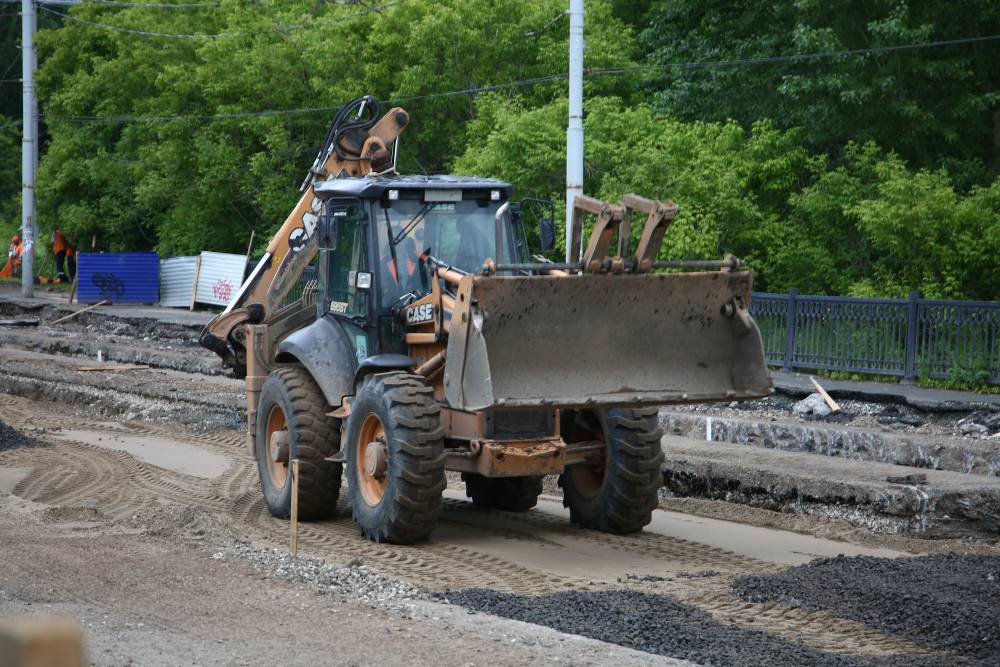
x=603 y=340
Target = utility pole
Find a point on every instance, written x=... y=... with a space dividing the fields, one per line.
x=29 y=146
x=574 y=131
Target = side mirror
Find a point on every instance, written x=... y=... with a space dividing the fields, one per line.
x=547 y=232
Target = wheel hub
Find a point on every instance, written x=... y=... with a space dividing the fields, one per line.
x=371 y=460
x=376 y=459
x=279 y=446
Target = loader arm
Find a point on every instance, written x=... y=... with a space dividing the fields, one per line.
x=352 y=148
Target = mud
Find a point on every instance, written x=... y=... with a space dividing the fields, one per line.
x=195 y=401
x=535 y=553
x=946 y=602
x=121 y=339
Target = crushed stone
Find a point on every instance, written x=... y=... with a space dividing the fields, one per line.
x=11 y=438
x=947 y=601
x=354 y=580
x=659 y=625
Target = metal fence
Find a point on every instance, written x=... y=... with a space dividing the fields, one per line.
x=908 y=338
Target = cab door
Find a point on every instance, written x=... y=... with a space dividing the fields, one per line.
x=344 y=278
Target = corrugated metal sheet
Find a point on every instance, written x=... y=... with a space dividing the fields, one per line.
x=119 y=277
x=177 y=281
x=220 y=277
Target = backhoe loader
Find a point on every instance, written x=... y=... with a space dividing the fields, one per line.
x=432 y=341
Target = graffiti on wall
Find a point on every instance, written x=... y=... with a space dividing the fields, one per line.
x=223 y=289
x=109 y=286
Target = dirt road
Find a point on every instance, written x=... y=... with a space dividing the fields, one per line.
x=128 y=501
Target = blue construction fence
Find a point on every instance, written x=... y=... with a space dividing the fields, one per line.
x=907 y=338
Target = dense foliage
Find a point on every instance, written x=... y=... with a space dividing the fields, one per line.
x=866 y=174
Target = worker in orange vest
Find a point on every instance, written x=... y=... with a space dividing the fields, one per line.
x=13 y=267
x=65 y=257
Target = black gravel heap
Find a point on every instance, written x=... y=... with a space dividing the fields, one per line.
x=659 y=625
x=948 y=602
x=11 y=438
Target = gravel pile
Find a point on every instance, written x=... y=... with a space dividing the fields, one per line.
x=659 y=625
x=11 y=438
x=354 y=580
x=949 y=602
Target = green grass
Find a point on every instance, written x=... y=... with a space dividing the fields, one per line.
x=957 y=384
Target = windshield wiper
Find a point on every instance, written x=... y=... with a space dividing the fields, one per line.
x=414 y=221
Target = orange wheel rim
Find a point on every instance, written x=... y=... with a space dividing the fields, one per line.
x=372 y=460
x=278 y=445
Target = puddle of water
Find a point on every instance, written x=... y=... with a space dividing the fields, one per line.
x=11 y=477
x=163 y=452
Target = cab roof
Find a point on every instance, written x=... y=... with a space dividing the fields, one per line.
x=368 y=187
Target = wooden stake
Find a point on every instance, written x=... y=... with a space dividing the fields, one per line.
x=72 y=290
x=249 y=249
x=194 y=285
x=295 y=507
x=826 y=397
x=82 y=310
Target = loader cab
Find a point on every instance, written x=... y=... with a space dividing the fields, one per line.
x=373 y=232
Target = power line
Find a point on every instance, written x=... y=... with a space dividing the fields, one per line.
x=174 y=35
x=607 y=71
x=117 y=3
x=131 y=118
x=144 y=33
x=145 y=5
x=875 y=50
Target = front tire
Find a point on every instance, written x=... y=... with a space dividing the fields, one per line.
x=617 y=492
x=395 y=458
x=292 y=423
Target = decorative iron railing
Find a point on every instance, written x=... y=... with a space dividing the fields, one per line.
x=908 y=338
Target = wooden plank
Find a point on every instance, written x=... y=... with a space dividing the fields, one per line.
x=115 y=367
x=826 y=397
x=82 y=310
x=295 y=508
x=194 y=285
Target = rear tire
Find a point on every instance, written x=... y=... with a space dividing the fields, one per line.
x=616 y=494
x=395 y=458
x=510 y=494
x=292 y=399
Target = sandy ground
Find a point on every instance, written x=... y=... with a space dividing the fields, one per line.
x=90 y=530
x=138 y=514
x=151 y=601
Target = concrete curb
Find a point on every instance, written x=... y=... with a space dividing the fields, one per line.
x=949 y=504
x=979 y=457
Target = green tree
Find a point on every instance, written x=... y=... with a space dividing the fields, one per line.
x=188 y=179
x=934 y=107
x=729 y=185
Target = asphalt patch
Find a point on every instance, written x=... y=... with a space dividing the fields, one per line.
x=11 y=438
x=949 y=602
x=659 y=625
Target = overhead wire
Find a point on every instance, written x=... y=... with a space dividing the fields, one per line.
x=281 y=28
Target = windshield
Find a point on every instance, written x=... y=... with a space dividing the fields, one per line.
x=461 y=234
